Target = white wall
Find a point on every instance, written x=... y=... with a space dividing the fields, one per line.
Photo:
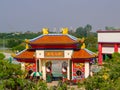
x=109 y=37
x=68 y=70
x=119 y=50
x=44 y=70
x=87 y=71
x=108 y=50
x=39 y=53
x=68 y=53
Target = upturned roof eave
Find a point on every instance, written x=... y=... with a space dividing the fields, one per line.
x=31 y=43
x=23 y=58
x=82 y=57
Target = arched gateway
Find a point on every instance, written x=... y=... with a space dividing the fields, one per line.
x=57 y=56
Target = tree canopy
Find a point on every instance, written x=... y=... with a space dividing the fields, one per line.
x=83 y=31
x=109 y=76
x=13 y=78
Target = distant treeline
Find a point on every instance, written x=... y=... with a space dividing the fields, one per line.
x=13 y=40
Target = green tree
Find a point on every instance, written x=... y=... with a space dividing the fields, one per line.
x=12 y=78
x=109 y=76
x=87 y=29
x=91 y=42
x=80 y=32
x=9 y=76
x=18 y=47
x=83 y=31
x=13 y=42
x=111 y=28
x=14 y=39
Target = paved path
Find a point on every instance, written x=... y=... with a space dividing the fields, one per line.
x=70 y=87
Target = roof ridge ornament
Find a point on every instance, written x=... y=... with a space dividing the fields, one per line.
x=83 y=46
x=26 y=42
x=81 y=40
x=45 y=31
x=65 y=30
x=83 y=43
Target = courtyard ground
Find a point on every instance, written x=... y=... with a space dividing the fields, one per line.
x=70 y=87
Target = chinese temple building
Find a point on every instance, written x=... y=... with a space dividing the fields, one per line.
x=108 y=43
x=57 y=54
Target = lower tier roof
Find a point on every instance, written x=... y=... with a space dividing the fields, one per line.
x=30 y=54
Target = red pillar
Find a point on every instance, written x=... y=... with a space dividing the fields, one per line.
x=116 y=47
x=100 y=54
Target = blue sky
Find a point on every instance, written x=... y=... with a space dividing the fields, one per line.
x=33 y=15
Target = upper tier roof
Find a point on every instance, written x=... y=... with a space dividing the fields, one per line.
x=54 y=39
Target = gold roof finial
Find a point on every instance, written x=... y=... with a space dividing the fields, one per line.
x=65 y=30
x=45 y=30
x=27 y=46
x=83 y=46
x=27 y=41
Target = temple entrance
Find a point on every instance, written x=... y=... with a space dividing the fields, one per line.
x=56 y=69
x=59 y=69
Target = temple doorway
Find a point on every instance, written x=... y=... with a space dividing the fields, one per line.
x=56 y=69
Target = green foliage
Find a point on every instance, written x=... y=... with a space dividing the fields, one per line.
x=22 y=36
x=9 y=83
x=1 y=43
x=12 y=78
x=111 y=28
x=61 y=86
x=83 y=31
x=19 y=47
x=8 y=70
x=80 y=84
x=108 y=78
x=2 y=56
x=9 y=76
x=41 y=85
x=90 y=37
x=80 y=32
x=14 y=39
x=13 y=42
x=91 y=42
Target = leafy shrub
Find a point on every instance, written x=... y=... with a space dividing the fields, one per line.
x=109 y=76
x=2 y=56
x=61 y=86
